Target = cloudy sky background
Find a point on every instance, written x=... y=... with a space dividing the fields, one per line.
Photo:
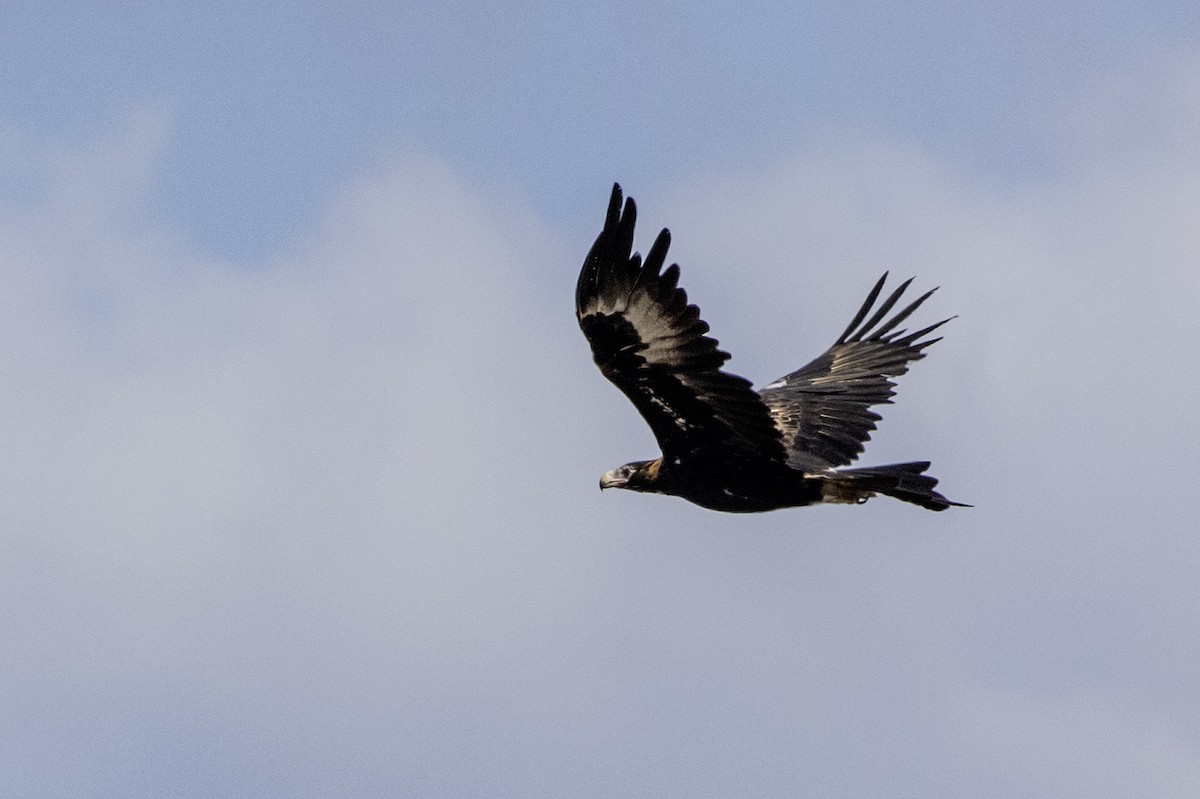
x=300 y=441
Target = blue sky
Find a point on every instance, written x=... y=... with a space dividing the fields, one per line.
x=301 y=440
x=271 y=113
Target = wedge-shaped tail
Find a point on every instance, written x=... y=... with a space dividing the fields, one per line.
x=905 y=481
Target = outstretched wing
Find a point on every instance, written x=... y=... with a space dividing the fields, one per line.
x=650 y=343
x=821 y=408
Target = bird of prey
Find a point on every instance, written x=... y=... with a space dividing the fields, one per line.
x=724 y=445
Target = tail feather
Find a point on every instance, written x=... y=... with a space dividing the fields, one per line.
x=904 y=481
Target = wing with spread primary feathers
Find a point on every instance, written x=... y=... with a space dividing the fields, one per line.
x=650 y=343
x=821 y=408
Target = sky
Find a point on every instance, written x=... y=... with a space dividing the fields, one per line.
x=301 y=441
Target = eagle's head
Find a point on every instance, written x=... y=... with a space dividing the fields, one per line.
x=636 y=476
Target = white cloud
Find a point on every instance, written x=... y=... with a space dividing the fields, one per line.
x=221 y=476
x=328 y=523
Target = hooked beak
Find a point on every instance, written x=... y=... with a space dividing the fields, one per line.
x=612 y=480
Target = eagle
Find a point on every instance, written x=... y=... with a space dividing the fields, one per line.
x=724 y=445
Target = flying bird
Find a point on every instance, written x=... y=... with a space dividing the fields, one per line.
x=724 y=445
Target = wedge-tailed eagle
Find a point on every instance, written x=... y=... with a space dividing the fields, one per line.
x=724 y=445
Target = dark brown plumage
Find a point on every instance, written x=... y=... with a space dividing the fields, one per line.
x=724 y=445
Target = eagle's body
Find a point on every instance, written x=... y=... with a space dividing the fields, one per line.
x=726 y=446
x=754 y=487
